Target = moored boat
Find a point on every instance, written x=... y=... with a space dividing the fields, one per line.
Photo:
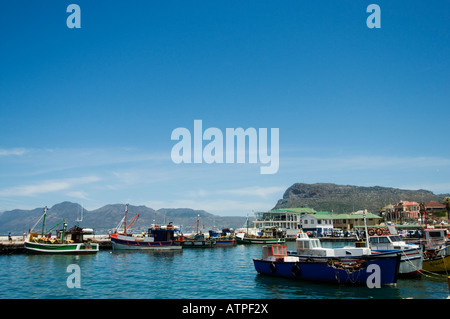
x=411 y=255
x=437 y=261
x=66 y=241
x=252 y=239
x=223 y=238
x=265 y=236
x=339 y=269
x=156 y=238
x=195 y=241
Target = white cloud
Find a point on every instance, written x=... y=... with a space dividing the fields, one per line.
x=78 y=194
x=48 y=186
x=13 y=151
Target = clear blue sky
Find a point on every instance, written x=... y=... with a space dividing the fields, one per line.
x=86 y=114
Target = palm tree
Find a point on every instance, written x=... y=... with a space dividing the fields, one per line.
x=447 y=207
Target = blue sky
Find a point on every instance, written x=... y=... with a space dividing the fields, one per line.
x=86 y=115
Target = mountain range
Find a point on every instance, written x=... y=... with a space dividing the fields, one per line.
x=320 y=197
x=108 y=217
x=348 y=198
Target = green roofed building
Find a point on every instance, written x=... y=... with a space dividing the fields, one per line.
x=292 y=220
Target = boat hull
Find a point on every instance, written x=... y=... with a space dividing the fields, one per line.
x=133 y=244
x=225 y=242
x=197 y=243
x=411 y=262
x=439 y=264
x=264 y=241
x=62 y=249
x=331 y=270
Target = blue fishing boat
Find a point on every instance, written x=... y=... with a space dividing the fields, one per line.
x=358 y=270
x=223 y=238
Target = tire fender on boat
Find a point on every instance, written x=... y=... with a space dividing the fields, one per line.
x=273 y=268
x=296 y=270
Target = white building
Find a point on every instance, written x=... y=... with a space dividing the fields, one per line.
x=291 y=220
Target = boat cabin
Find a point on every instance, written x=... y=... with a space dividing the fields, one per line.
x=276 y=253
x=435 y=235
x=433 y=239
x=312 y=247
x=163 y=233
x=388 y=242
x=75 y=234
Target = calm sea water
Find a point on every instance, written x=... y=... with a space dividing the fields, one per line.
x=219 y=273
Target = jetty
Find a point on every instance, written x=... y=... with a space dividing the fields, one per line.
x=16 y=244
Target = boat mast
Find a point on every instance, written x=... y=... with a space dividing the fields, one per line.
x=365 y=227
x=125 y=220
x=63 y=231
x=43 y=223
x=247 y=225
x=78 y=220
x=198 y=217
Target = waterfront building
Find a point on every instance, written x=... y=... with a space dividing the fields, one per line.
x=291 y=220
x=433 y=207
x=355 y=220
x=288 y=219
x=406 y=209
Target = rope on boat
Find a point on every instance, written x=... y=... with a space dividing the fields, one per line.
x=423 y=271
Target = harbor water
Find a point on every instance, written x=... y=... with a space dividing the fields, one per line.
x=202 y=273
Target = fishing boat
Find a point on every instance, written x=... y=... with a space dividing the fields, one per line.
x=223 y=238
x=271 y=235
x=411 y=262
x=66 y=241
x=438 y=260
x=434 y=242
x=310 y=261
x=359 y=270
x=436 y=250
x=266 y=237
x=156 y=238
x=196 y=239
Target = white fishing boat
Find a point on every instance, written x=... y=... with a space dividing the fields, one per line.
x=411 y=262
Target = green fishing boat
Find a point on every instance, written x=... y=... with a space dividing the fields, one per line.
x=266 y=236
x=66 y=241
